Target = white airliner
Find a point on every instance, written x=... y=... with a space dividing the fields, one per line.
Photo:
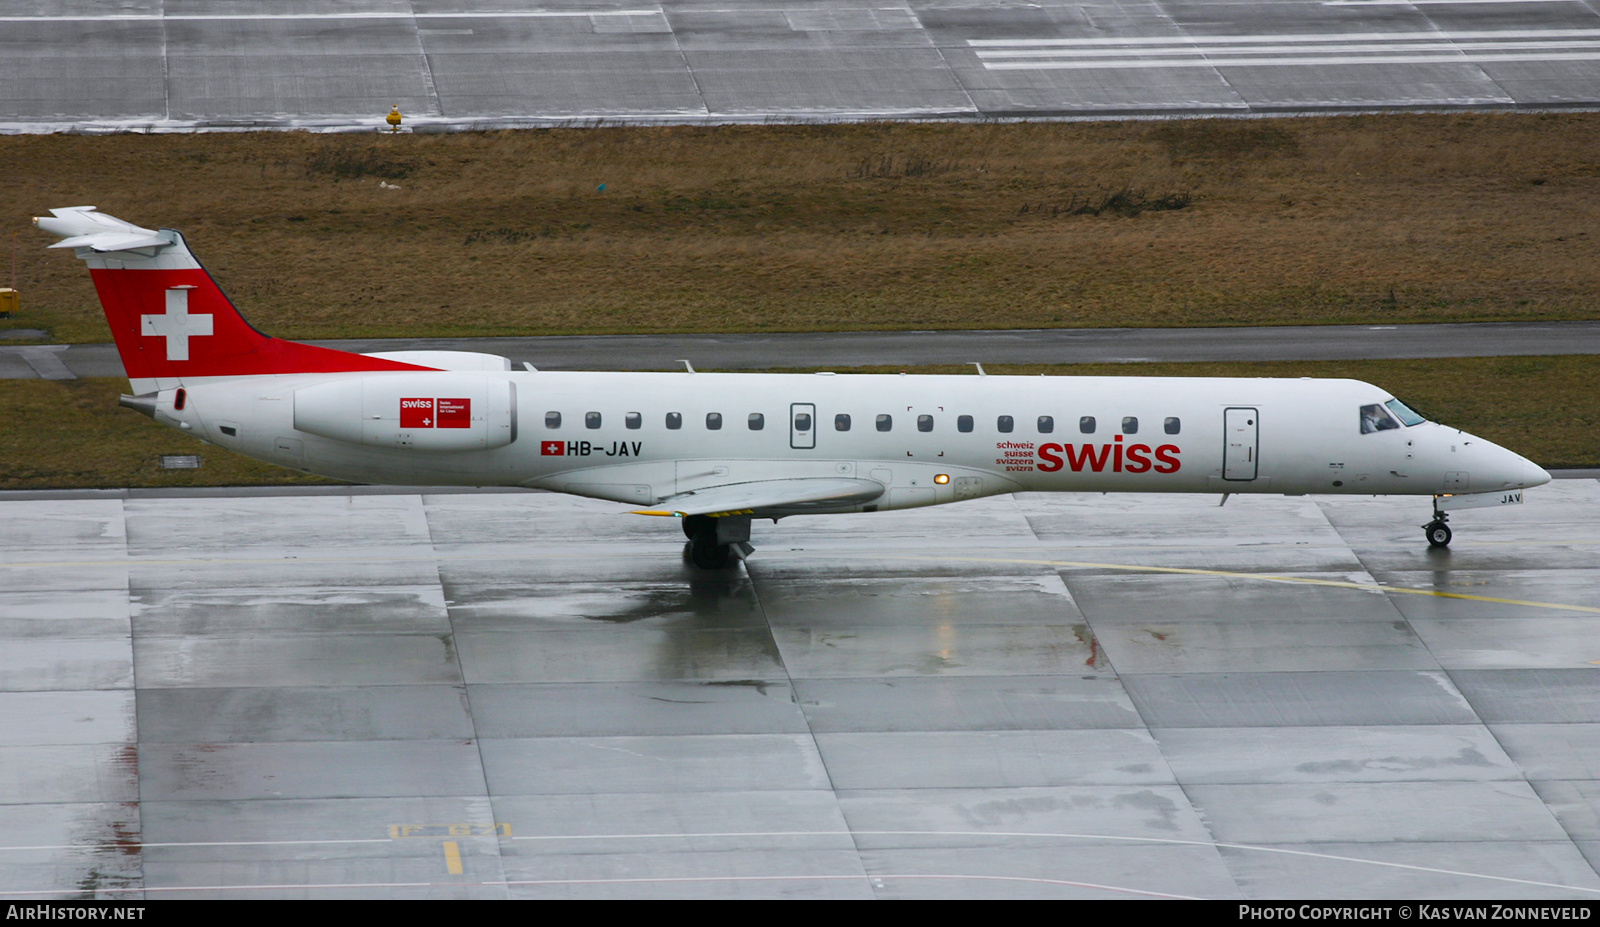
x=717 y=450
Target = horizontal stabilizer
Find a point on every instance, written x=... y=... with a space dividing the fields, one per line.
x=83 y=227
x=819 y=493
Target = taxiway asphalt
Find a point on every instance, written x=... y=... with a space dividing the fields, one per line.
x=179 y=65
x=863 y=349
x=358 y=693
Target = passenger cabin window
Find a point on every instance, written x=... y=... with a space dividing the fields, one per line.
x=552 y=420
x=885 y=422
x=591 y=419
x=924 y=423
x=1404 y=413
x=757 y=421
x=1047 y=424
x=1130 y=425
x=632 y=420
x=1004 y=424
x=713 y=421
x=964 y=423
x=841 y=422
x=674 y=421
x=1172 y=426
x=1374 y=418
x=1086 y=425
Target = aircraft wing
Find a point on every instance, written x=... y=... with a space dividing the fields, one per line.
x=762 y=496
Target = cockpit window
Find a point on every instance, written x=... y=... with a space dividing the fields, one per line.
x=1404 y=413
x=1374 y=418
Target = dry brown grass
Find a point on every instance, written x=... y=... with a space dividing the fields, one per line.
x=72 y=434
x=1380 y=218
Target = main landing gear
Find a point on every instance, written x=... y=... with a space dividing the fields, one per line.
x=1437 y=532
x=713 y=542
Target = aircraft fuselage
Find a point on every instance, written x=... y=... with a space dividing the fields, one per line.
x=610 y=435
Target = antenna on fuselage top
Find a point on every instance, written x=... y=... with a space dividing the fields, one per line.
x=980 y=368
x=686 y=365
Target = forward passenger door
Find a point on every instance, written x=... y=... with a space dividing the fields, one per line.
x=1242 y=434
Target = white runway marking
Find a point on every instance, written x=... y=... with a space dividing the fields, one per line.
x=1470 y=47
x=1288 y=39
x=1288 y=62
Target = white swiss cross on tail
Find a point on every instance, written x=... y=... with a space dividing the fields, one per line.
x=177 y=326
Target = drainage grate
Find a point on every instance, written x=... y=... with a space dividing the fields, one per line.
x=180 y=461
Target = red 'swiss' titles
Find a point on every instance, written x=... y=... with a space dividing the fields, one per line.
x=1134 y=458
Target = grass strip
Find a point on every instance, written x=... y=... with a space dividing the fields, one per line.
x=1365 y=219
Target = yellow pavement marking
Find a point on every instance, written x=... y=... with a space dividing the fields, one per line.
x=452 y=857
x=397 y=831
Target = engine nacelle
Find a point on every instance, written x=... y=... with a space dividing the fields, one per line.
x=421 y=411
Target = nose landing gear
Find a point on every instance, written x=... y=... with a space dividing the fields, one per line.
x=1437 y=532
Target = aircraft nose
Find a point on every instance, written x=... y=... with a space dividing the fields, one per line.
x=1517 y=471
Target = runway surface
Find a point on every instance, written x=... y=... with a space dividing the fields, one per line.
x=187 y=64
x=356 y=693
x=864 y=349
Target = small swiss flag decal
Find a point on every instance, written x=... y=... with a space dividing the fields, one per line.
x=553 y=449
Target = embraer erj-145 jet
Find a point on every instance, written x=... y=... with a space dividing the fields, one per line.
x=717 y=450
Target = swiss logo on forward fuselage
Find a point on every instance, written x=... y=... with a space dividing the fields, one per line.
x=1135 y=458
x=1097 y=458
x=435 y=413
x=553 y=449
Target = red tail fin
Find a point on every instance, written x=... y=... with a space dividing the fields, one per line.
x=170 y=319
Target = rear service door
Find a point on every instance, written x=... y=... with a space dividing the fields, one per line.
x=802 y=426
x=1242 y=432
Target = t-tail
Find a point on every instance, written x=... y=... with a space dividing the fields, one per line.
x=170 y=320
